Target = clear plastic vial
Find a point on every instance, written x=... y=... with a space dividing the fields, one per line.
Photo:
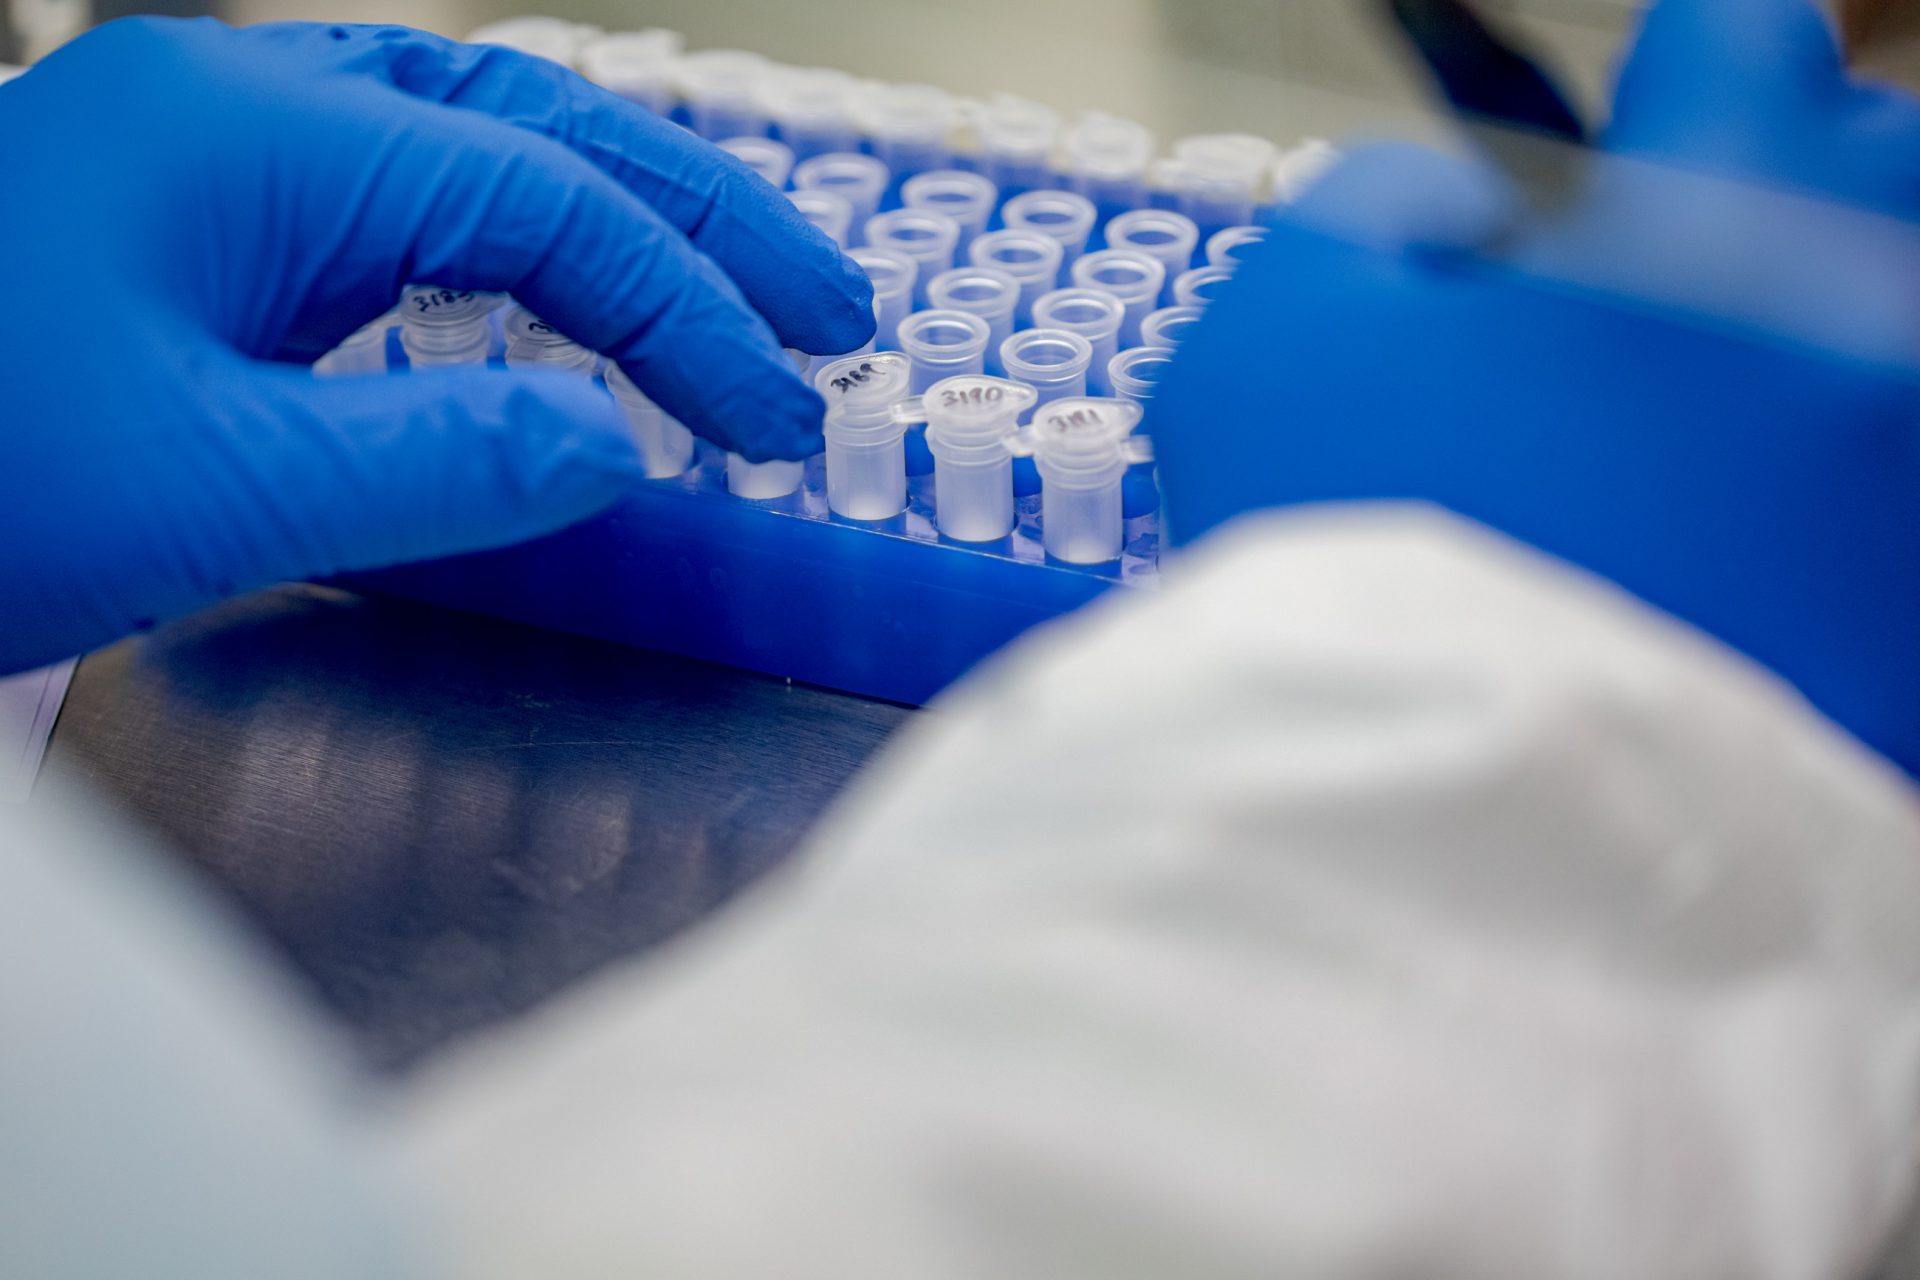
x=1225 y=246
x=827 y=211
x=1081 y=447
x=1200 y=286
x=859 y=180
x=1027 y=256
x=892 y=275
x=1167 y=237
x=1134 y=373
x=1168 y=326
x=1220 y=178
x=926 y=237
x=666 y=447
x=771 y=160
x=637 y=65
x=445 y=326
x=1130 y=276
x=1106 y=160
x=971 y=424
x=722 y=91
x=533 y=343
x=1017 y=137
x=1059 y=215
x=1053 y=362
x=967 y=198
x=943 y=344
x=765 y=481
x=987 y=292
x=814 y=109
x=866 y=447
x=911 y=126
x=1095 y=315
x=364 y=351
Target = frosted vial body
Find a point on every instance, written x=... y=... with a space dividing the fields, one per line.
x=813 y=108
x=1168 y=238
x=637 y=65
x=666 y=447
x=987 y=292
x=859 y=180
x=1080 y=449
x=911 y=127
x=445 y=327
x=892 y=276
x=1017 y=137
x=943 y=344
x=722 y=92
x=364 y=351
x=1059 y=215
x=866 y=456
x=1053 y=362
x=1095 y=315
x=532 y=342
x=764 y=481
x=1027 y=256
x=1222 y=177
x=971 y=421
x=967 y=198
x=1132 y=277
x=1106 y=160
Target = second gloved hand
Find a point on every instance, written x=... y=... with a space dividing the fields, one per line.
x=191 y=214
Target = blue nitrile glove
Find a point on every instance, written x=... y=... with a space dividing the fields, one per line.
x=189 y=213
x=1702 y=389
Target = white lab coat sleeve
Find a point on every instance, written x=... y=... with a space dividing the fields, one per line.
x=1380 y=898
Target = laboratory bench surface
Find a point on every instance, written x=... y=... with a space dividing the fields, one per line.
x=440 y=819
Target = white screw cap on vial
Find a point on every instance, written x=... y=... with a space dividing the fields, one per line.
x=666 y=447
x=1062 y=215
x=814 y=108
x=1095 y=315
x=1128 y=275
x=967 y=198
x=943 y=344
x=772 y=160
x=445 y=326
x=1053 y=362
x=636 y=65
x=1027 y=256
x=1167 y=237
x=765 y=481
x=987 y=292
x=722 y=92
x=893 y=276
x=971 y=424
x=927 y=237
x=532 y=342
x=858 y=179
x=1082 y=446
x=866 y=446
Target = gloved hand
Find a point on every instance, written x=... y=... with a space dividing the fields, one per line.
x=1697 y=378
x=189 y=213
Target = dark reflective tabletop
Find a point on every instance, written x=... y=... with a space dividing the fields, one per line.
x=443 y=819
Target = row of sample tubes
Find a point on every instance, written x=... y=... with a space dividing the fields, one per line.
x=734 y=97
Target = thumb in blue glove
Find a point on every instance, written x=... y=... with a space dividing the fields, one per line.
x=171 y=268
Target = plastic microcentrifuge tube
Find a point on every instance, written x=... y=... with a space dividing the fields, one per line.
x=765 y=481
x=445 y=326
x=1130 y=276
x=1134 y=373
x=364 y=351
x=1082 y=446
x=1027 y=256
x=1017 y=138
x=1095 y=315
x=637 y=65
x=533 y=342
x=771 y=160
x=827 y=211
x=1225 y=246
x=987 y=292
x=722 y=91
x=859 y=180
x=943 y=344
x=893 y=275
x=1222 y=177
x=971 y=424
x=666 y=447
x=1167 y=326
x=814 y=109
x=866 y=446
x=965 y=197
x=1059 y=215
x=928 y=238
x=554 y=39
x=1106 y=160
x=1167 y=237
x=1053 y=362
x=1200 y=286
x=911 y=126
x=1301 y=167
